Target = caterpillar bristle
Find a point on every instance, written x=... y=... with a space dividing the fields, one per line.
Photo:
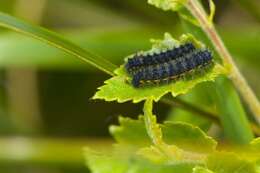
x=142 y=60
x=169 y=65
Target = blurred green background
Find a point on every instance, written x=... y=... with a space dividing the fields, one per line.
x=46 y=111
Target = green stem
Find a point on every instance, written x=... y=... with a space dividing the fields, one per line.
x=237 y=78
x=155 y=133
x=152 y=128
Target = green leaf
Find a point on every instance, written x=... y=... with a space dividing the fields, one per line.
x=100 y=163
x=181 y=115
x=232 y=115
x=183 y=135
x=199 y=169
x=169 y=154
x=156 y=155
x=121 y=162
x=118 y=89
x=57 y=41
x=30 y=52
x=199 y=97
x=131 y=132
x=122 y=159
x=165 y=152
x=173 y=5
x=188 y=137
x=221 y=162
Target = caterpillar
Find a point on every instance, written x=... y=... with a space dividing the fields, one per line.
x=166 y=71
x=140 y=61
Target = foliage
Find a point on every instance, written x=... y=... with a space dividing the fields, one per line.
x=174 y=5
x=174 y=143
x=118 y=89
x=186 y=152
x=144 y=145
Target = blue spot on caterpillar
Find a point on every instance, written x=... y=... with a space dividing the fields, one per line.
x=169 y=70
x=138 y=61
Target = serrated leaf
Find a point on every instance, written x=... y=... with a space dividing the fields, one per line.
x=188 y=137
x=170 y=154
x=131 y=132
x=124 y=160
x=100 y=163
x=154 y=154
x=222 y=162
x=199 y=169
x=183 y=135
x=159 y=151
x=122 y=163
x=118 y=89
x=173 y=5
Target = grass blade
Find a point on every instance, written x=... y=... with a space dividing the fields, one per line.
x=57 y=41
x=231 y=113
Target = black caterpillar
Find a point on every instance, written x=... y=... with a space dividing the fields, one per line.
x=145 y=60
x=169 y=68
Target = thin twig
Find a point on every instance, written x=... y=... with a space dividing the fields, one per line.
x=237 y=78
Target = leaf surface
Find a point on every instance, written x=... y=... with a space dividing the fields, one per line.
x=119 y=89
x=122 y=163
x=188 y=137
x=199 y=169
x=183 y=135
x=222 y=162
x=173 y=5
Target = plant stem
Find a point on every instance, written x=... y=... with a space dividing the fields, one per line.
x=152 y=128
x=155 y=133
x=237 y=78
